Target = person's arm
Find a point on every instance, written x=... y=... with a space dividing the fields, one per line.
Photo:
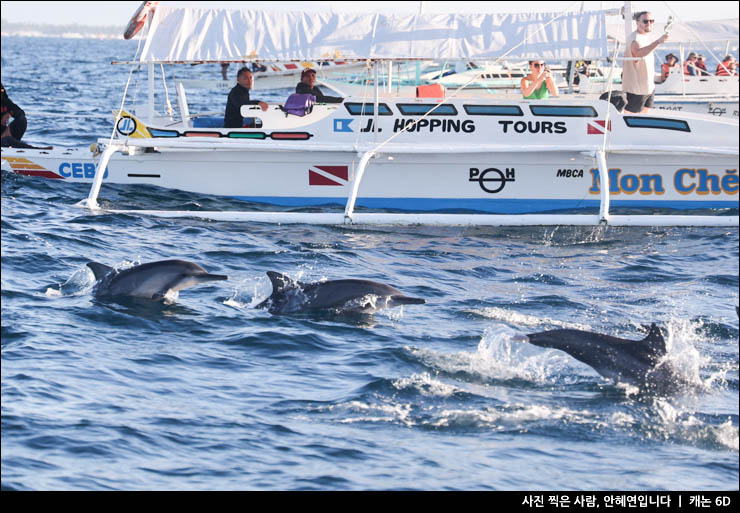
x=528 y=87
x=262 y=104
x=551 y=87
x=11 y=108
x=637 y=51
x=322 y=98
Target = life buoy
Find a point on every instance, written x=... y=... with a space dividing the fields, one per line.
x=138 y=19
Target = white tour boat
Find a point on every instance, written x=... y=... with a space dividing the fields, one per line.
x=408 y=160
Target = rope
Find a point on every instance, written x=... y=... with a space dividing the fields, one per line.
x=367 y=70
x=125 y=91
x=170 y=111
x=610 y=79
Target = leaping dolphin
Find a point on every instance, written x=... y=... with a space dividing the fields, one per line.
x=360 y=296
x=637 y=362
x=152 y=281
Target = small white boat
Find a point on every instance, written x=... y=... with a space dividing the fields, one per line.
x=490 y=76
x=280 y=75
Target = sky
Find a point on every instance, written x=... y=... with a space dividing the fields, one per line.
x=118 y=13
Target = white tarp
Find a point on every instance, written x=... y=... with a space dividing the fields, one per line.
x=197 y=35
x=691 y=32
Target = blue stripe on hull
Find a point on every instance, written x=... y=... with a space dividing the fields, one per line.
x=495 y=206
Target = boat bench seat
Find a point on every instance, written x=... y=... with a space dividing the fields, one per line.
x=208 y=122
x=218 y=122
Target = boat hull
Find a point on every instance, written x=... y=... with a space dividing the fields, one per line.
x=493 y=182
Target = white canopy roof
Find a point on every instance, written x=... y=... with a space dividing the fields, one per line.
x=203 y=35
x=690 y=32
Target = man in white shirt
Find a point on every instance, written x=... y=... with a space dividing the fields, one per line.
x=638 y=77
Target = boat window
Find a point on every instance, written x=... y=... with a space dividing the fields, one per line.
x=419 y=109
x=662 y=123
x=300 y=136
x=247 y=135
x=493 y=110
x=357 y=109
x=192 y=133
x=163 y=133
x=569 y=111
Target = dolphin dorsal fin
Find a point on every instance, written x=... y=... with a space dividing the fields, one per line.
x=99 y=270
x=654 y=342
x=279 y=281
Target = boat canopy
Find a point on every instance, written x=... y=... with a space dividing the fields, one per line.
x=690 y=32
x=182 y=35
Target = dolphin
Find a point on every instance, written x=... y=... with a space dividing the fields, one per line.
x=152 y=281
x=358 y=296
x=640 y=363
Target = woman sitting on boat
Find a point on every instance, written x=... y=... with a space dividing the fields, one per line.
x=726 y=67
x=671 y=61
x=538 y=85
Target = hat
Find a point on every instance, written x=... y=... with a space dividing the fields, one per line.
x=692 y=54
x=306 y=72
x=671 y=56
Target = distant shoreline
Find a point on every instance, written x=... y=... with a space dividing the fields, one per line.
x=68 y=31
x=65 y=35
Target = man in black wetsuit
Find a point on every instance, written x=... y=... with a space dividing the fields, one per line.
x=12 y=132
x=239 y=96
x=307 y=85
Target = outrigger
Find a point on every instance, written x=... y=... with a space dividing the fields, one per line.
x=431 y=160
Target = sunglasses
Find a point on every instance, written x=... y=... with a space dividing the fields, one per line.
x=538 y=64
x=646 y=22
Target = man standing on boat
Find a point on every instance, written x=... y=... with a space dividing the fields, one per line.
x=638 y=78
x=307 y=85
x=239 y=96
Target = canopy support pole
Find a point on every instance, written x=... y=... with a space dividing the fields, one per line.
x=92 y=199
x=605 y=188
x=350 y=207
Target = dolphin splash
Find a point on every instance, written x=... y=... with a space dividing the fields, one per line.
x=641 y=363
x=355 y=296
x=152 y=280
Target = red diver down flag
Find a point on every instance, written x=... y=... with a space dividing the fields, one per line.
x=596 y=126
x=328 y=175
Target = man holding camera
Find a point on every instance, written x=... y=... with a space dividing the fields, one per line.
x=638 y=77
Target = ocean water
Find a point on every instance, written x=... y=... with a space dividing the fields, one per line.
x=204 y=391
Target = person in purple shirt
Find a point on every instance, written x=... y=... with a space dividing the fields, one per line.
x=307 y=85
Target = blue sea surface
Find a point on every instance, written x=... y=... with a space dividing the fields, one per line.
x=204 y=391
